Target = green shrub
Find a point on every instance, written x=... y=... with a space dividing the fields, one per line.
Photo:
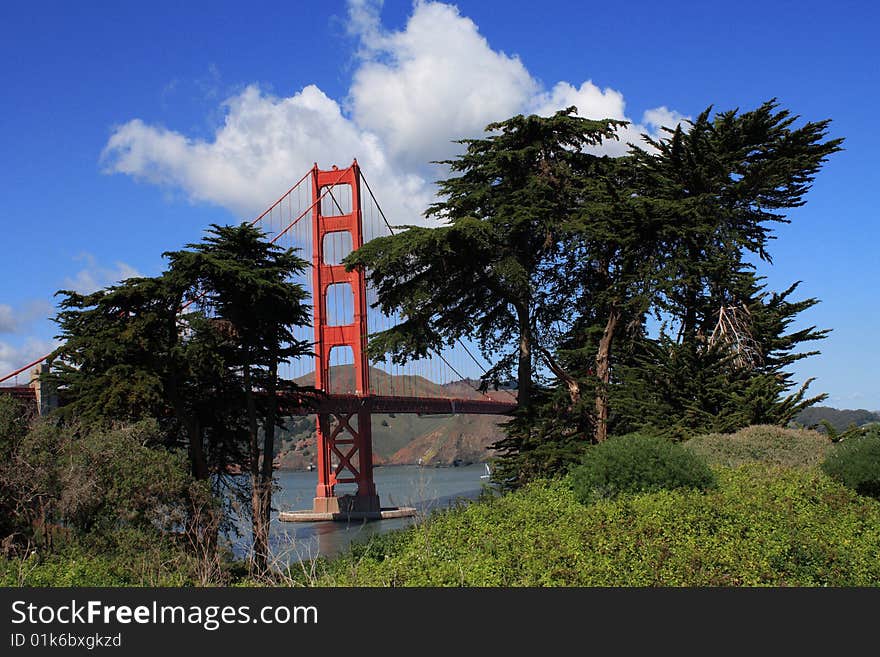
x=135 y=560
x=761 y=526
x=768 y=444
x=636 y=464
x=855 y=462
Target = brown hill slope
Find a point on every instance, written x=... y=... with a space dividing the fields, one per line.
x=404 y=438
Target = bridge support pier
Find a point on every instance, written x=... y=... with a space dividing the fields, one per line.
x=345 y=456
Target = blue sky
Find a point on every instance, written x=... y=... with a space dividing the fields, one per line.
x=126 y=128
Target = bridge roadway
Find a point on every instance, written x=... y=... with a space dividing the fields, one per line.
x=308 y=404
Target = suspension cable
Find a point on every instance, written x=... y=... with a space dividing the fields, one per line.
x=458 y=340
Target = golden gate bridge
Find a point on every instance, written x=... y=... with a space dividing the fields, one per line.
x=326 y=215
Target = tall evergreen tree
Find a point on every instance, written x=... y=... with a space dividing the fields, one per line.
x=482 y=274
x=717 y=189
x=719 y=185
x=196 y=348
x=242 y=283
x=668 y=387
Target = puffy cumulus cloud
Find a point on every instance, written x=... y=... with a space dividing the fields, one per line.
x=265 y=144
x=434 y=81
x=413 y=91
x=93 y=276
x=595 y=103
x=661 y=117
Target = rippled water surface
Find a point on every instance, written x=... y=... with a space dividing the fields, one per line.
x=422 y=488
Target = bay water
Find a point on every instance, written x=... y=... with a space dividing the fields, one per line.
x=424 y=488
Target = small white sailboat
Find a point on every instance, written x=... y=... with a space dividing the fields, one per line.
x=488 y=472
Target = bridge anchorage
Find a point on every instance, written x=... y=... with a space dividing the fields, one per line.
x=344 y=215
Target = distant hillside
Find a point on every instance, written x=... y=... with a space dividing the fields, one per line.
x=403 y=438
x=839 y=419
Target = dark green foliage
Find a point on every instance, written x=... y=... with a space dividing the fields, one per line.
x=543 y=443
x=855 y=462
x=14 y=421
x=636 y=464
x=197 y=351
x=241 y=283
x=720 y=184
x=717 y=188
x=767 y=444
x=111 y=480
x=677 y=388
x=117 y=352
x=554 y=259
x=480 y=274
x=90 y=487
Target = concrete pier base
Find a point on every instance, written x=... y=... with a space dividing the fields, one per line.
x=345 y=508
x=346 y=516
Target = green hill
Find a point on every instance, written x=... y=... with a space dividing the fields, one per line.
x=839 y=419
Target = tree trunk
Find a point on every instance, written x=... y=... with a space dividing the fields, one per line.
x=524 y=366
x=603 y=373
x=259 y=529
x=265 y=501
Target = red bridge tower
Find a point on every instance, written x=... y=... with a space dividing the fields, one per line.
x=345 y=435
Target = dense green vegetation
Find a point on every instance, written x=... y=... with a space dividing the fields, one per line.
x=761 y=526
x=95 y=506
x=637 y=464
x=856 y=463
x=773 y=517
x=768 y=444
x=555 y=260
x=196 y=350
x=764 y=524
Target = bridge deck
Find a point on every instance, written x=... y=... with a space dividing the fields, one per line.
x=309 y=404
x=388 y=404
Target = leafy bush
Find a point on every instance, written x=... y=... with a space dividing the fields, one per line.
x=855 y=462
x=768 y=444
x=761 y=526
x=637 y=463
x=137 y=559
x=111 y=479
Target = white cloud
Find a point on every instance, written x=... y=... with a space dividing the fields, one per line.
x=412 y=92
x=93 y=276
x=265 y=144
x=660 y=117
x=434 y=81
x=595 y=103
x=13 y=357
x=15 y=320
